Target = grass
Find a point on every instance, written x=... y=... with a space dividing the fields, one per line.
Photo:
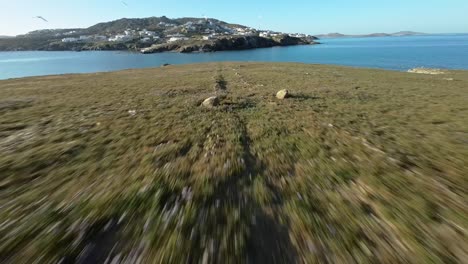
x=359 y=166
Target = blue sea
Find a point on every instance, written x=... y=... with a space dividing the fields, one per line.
x=392 y=53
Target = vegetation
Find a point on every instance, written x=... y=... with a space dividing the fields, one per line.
x=358 y=166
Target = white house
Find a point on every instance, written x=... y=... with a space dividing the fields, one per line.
x=69 y=33
x=85 y=38
x=298 y=35
x=145 y=32
x=173 y=39
x=121 y=38
x=69 y=40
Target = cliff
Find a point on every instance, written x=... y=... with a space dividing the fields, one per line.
x=227 y=43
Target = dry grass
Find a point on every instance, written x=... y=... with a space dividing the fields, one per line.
x=359 y=166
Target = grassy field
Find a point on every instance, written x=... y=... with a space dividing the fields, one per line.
x=358 y=166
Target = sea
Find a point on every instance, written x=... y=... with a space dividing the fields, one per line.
x=447 y=51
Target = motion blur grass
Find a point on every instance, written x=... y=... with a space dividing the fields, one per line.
x=358 y=166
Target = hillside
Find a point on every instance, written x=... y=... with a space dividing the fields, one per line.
x=397 y=34
x=357 y=165
x=138 y=33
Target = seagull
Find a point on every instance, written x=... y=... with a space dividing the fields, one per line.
x=123 y=2
x=42 y=18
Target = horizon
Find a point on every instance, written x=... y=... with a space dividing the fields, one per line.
x=292 y=17
x=323 y=33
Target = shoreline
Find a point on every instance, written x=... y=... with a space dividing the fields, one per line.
x=416 y=70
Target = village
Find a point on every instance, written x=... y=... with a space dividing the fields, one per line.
x=203 y=29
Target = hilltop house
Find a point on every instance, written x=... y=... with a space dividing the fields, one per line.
x=147 y=33
x=297 y=35
x=121 y=38
x=66 y=40
x=163 y=24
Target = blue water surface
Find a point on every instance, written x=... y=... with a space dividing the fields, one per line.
x=393 y=53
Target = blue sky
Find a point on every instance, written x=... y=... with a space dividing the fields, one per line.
x=307 y=16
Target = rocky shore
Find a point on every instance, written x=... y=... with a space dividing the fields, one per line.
x=228 y=43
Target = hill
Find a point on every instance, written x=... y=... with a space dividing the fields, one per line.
x=357 y=165
x=397 y=34
x=138 y=33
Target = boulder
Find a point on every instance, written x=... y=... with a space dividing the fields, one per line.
x=211 y=102
x=283 y=94
x=426 y=71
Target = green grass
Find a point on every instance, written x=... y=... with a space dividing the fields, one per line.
x=359 y=166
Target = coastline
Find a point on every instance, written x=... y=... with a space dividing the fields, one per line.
x=399 y=54
x=185 y=46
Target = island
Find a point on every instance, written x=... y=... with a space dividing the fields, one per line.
x=155 y=34
x=373 y=35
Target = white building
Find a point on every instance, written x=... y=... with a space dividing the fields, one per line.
x=85 y=38
x=66 y=40
x=163 y=24
x=298 y=35
x=69 y=33
x=173 y=39
x=121 y=38
x=248 y=33
x=145 y=32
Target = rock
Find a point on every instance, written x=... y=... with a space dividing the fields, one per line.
x=211 y=102
x=283 y=94
x=426 y=71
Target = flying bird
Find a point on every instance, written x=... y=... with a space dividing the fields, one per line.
x=42 y=18
x=123 y=2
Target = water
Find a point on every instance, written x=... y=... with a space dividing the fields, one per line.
x=393 y=53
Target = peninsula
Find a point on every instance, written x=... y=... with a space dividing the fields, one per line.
x=155 y=34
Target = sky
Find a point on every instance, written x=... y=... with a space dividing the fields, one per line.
x=291 y=16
